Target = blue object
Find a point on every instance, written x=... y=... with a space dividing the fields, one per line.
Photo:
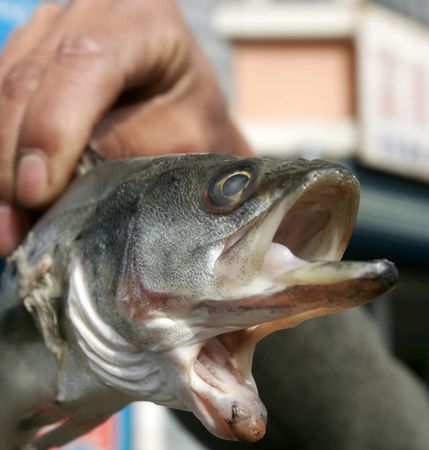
x=126 y=426
x=14 y=13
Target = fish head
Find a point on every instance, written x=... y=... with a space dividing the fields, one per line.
x=208 y=226
x=222 y=252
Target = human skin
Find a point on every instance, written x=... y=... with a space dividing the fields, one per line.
x=126 y=76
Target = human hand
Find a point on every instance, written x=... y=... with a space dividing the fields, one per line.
x=127 y=76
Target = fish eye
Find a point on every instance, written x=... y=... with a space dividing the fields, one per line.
x=235 y=183
x=229 y=190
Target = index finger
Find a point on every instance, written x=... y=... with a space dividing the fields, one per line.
x=12 y=97
x=90 y=69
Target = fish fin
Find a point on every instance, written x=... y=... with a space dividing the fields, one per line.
x=35 y=287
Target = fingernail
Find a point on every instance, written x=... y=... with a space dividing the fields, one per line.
x=32 y=178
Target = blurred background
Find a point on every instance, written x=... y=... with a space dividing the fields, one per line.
x=343 y=80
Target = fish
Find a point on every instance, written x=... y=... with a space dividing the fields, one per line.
x=153 y=279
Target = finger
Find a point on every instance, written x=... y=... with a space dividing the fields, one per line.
x=19 y=78
x=13 y=226
x=88 y=72
x=20 y=83
x=23 y=62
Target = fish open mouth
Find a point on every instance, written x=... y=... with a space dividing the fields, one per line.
x=278 y=270
x=312 y=224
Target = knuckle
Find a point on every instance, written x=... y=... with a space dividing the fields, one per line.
x=81 y=46
x=21 y=80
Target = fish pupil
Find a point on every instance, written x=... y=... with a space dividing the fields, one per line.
x=234 y=184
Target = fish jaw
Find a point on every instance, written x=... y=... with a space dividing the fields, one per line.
x=276 y=289
x=277 y=269
x=225 y=396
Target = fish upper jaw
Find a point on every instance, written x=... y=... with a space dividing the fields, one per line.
x=312 y=223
